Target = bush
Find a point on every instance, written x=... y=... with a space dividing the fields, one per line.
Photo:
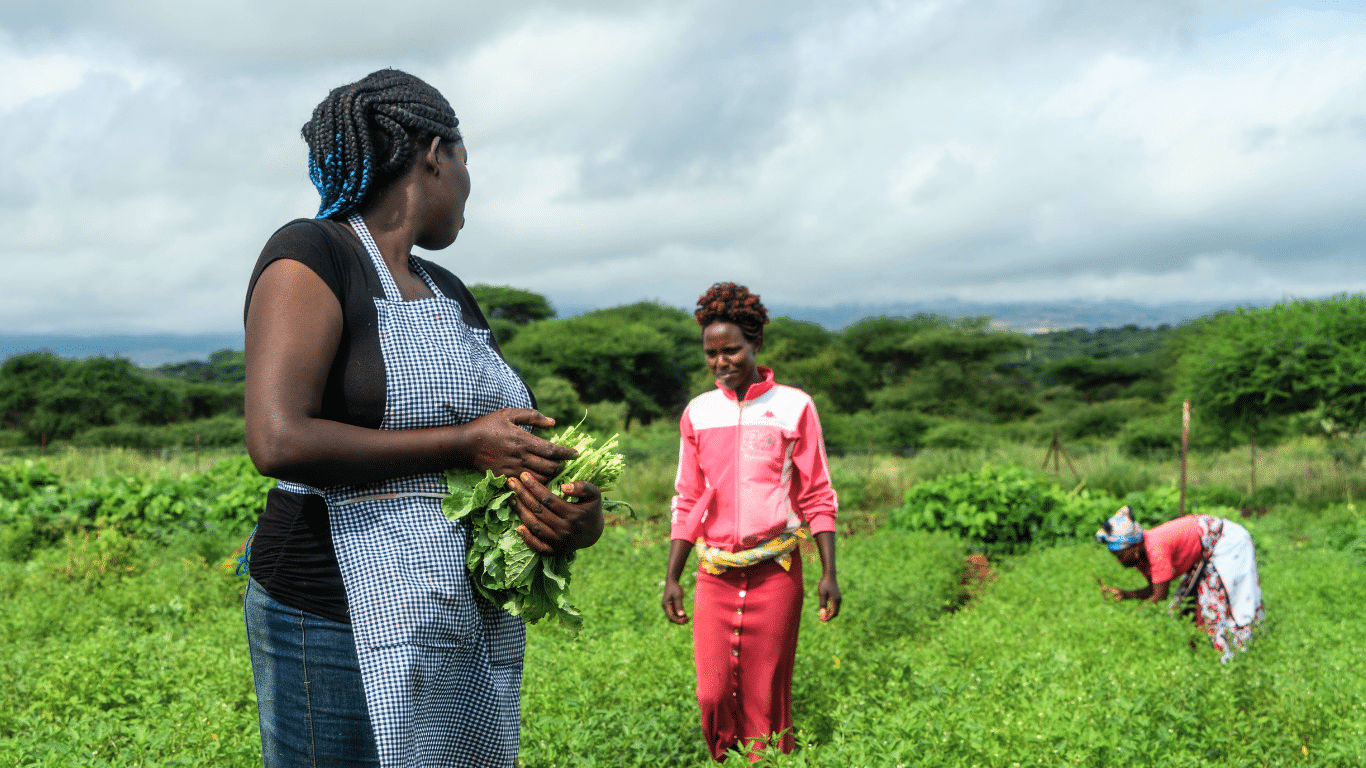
x=1026 y=432
x=1150 y=438
x=1349 y=536
x=1011 y=405
x=864 y=485
x=1103 y=419
x=1121 y=478
x=217 y=432
x=958 y=434
x=556 y=398
x=1001 y=509
x=899 y=432
x=1217 y=496
x=1156 y=506
x=48 y=398
x=227 y=497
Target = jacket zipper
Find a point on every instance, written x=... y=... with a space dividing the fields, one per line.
x=739 y=436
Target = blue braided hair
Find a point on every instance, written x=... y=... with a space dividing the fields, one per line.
x=365 y=135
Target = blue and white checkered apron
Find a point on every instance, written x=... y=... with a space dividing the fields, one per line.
x=442 y=668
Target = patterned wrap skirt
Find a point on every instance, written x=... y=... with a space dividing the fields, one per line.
x=1225 y=586
x=745 y=623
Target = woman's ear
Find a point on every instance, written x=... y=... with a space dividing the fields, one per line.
x=433 y=156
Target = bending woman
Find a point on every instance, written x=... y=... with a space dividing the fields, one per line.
x=369 y=372
x=751 y=471
x=1216 y=561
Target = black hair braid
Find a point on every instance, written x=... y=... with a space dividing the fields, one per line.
x=365 y=135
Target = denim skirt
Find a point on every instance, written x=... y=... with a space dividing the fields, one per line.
x=308 y=687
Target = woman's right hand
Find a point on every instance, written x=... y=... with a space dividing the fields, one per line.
x=497 y=442
x=673 y=602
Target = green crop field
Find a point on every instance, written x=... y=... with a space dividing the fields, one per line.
x=124 y=640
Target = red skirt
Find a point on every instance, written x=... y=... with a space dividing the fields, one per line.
x=744 y=643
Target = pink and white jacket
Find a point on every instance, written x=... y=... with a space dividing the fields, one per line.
x=755 y=468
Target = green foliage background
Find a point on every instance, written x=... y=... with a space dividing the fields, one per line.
x=122 y=621
x=125 y=646
x=885 y=384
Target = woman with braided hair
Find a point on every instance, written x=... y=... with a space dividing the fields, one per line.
x=369 y=372
x=752 y=479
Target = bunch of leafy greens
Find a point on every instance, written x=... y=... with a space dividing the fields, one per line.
x=502 y=567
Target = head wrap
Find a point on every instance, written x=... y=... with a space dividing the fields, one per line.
x=1120 y=531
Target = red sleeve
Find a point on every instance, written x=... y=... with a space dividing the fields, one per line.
x=690 y=482
x=812 y=494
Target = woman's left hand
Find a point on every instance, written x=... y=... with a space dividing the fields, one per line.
x=829 y=592
x=551 y=525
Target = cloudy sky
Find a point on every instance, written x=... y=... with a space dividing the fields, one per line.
x=824 y=152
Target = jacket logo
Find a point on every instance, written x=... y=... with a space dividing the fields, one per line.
x=758 y=443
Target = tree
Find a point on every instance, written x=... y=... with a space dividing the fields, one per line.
x=633 y=354
x=225 y=365
x=517 y=305
x=23 y=379
x=880 y=343
x=1105 y=378
x=1251 y=364
x=508 y=309
x=50 y=398
x=818 y=361
x=942 y=366
x=97 y=392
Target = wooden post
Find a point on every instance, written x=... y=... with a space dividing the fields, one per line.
x=196 y=452
x=42 y=446
x=1252 y=487
x=1185 y=448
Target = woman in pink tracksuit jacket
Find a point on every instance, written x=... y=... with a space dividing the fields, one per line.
x=752 y=480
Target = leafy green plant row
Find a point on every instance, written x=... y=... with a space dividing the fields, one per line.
x=36 y=508
x=122 y=652
x=1008 y=509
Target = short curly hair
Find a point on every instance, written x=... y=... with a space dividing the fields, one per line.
x=731 y=303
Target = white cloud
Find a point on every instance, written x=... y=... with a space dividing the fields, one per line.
x=825 y=152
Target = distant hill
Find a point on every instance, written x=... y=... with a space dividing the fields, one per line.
x=1034 y=317
x=1027 y=317
x=149 y=351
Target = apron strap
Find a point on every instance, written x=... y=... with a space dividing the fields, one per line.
x=390 y=287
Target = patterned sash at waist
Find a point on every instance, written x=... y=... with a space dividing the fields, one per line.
x=717 y=561
x=1211 y=531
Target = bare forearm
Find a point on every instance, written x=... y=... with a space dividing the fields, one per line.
x=1154 y=592
x=825 y=545
x=324 y=453
x=678 y=559
x=1158 y=591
